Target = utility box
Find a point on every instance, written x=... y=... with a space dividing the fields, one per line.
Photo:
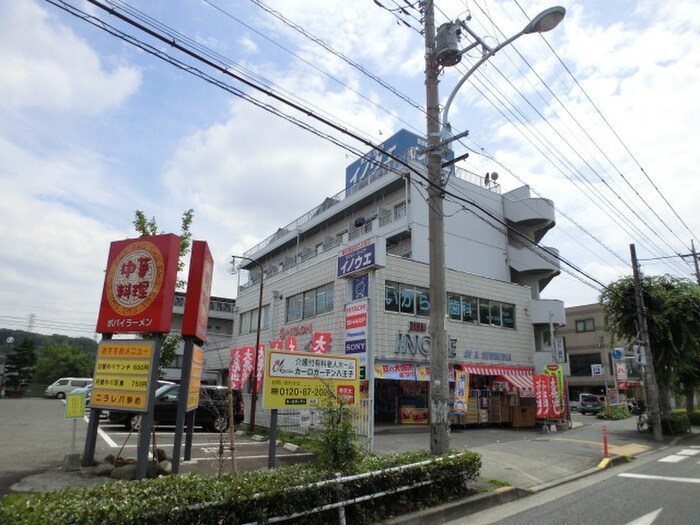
x=447 y=50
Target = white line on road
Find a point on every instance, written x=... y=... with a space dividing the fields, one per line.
x=673 y=458
x=658 y=478
x=647 y=519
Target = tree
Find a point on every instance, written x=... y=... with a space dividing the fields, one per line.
x=672 y=307
x=19 y=366
x=147 y=227
x=63 y=360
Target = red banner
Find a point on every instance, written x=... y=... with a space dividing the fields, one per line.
x=321 y=342
x=261 y=368
x=241 y=367
x=546 y=397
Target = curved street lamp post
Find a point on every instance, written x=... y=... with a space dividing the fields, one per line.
x=438 y=138
x=254 y=396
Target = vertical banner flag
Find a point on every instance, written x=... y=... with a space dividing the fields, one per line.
x=546 y=396
x=557 y=371
x=241 y=366
x=261 y=368
x=461 y=392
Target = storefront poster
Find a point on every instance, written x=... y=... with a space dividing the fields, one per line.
x=461 y=392
x=401 y=371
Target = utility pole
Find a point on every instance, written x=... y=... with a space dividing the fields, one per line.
x=439 y=385
x=695 y=261
x=652 y=391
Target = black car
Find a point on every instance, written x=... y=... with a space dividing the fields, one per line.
x=211 y=413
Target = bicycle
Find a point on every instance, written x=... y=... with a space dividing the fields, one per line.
x=643 y=422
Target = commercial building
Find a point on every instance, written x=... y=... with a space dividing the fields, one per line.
x=314 y=283
x=590 y=348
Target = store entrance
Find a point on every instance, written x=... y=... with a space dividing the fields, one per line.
x=386 y=407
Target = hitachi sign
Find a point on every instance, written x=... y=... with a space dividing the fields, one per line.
x=416 y=343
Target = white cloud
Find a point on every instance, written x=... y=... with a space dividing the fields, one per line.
x=45 y=65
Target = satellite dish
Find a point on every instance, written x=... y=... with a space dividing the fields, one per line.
x=359 y=222
x=494 y=176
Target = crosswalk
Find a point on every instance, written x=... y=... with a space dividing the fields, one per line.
x=677 y=457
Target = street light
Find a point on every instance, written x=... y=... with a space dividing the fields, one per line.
x=254 y=398
x=449 y=55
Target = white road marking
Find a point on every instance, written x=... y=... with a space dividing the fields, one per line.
x=647 y=519
x=673 y=458
x=658 y=478
x=688 y=452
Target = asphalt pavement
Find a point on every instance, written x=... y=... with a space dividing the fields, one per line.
x=527 y=460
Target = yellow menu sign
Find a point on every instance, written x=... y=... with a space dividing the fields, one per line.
x=122 y=375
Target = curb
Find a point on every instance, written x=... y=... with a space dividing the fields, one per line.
x=460 y=508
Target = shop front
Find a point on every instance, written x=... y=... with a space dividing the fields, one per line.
x=492 y=394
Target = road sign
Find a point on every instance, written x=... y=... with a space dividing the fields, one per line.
x=618 y=353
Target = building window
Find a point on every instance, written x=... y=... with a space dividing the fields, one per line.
x=248 y=321
x=585 y=325
x=409 y=299
x=310 y=303
x=581 y=364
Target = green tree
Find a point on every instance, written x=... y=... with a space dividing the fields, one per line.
x=63 y=360
x=147 y=227
x=672 y=308
x=19 y=366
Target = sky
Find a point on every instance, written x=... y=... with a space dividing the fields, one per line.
x=600 y=115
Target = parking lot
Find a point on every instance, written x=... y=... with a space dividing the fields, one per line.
x=36 y=436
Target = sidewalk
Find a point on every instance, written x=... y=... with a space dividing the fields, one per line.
x=527 y=461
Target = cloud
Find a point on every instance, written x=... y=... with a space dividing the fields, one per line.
x=45 y=65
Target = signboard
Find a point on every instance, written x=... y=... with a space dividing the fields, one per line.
x=75 y=406
x=356 y=315
x=195 y=378
x=360 y=287
x=618 y=353
x=139 y=285
x=296 y=379
x=361 y=257
x=559 y=352
x=122 y=373
x=373 y=163
x=621 y=371
x=597 y=370
x=196 y=315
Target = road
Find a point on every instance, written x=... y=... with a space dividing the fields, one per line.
x=657 y=489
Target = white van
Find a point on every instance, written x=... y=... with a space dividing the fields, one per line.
x=66 y=385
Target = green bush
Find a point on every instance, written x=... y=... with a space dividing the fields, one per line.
x=677 y=422
x=615 y=412
x=695 y=417
x=250 y=496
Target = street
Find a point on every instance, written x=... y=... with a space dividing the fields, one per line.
x=660 y=489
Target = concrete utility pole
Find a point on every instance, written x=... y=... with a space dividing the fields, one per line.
x=439 y=382
x=652 y=390
x=695 y=261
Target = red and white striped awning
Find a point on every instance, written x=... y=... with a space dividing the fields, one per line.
x=496 y=370
x=521 y=382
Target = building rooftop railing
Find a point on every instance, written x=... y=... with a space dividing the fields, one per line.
x=411 y=154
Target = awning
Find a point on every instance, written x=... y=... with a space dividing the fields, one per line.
x=522 y=383
x=496 y=370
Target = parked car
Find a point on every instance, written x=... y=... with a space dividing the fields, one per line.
x=66 y=385
x=590 y=404
x=211 y=413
